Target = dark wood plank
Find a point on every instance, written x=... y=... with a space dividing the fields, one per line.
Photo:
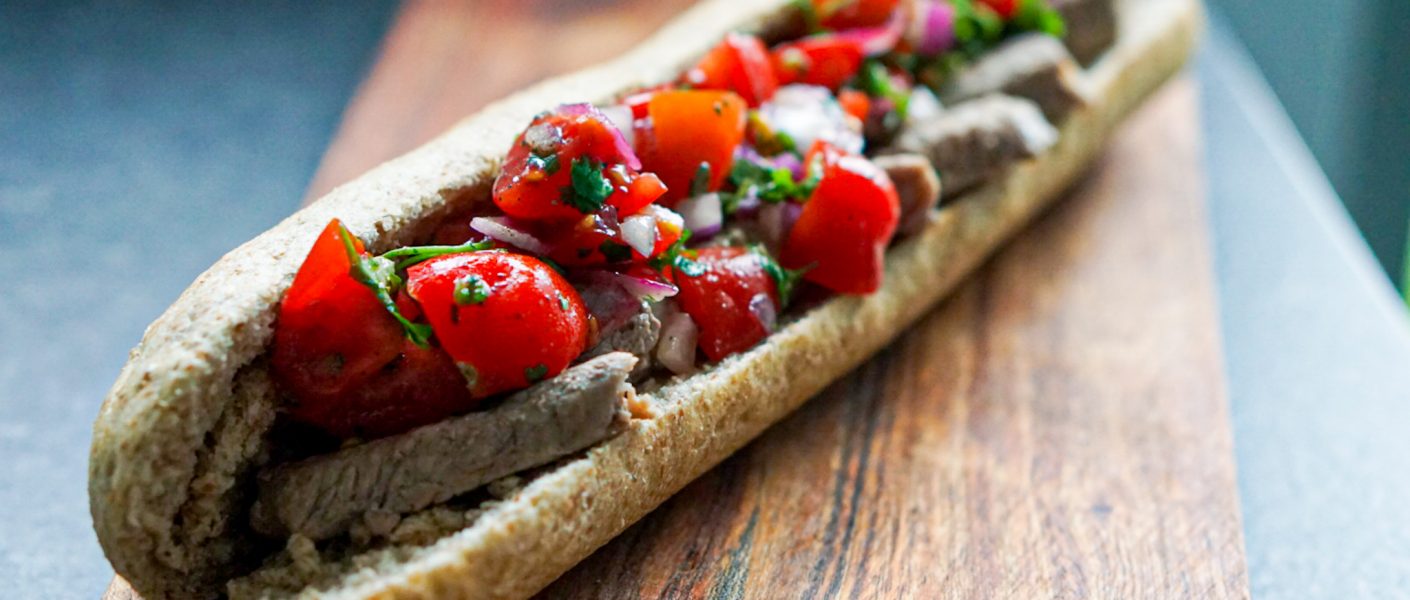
x=1057 y=429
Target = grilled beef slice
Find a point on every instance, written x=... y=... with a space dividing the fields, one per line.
x=1035 y=66
x=917 y=186
x=1091 y=26
x=977 y=139
x=323 y=496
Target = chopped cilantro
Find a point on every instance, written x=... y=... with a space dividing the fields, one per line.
x=615 y=252
x=1036 y=15
x=785 y=279
x=875 y=80
x=536 y=372
x=701 y=183
x=563 y=301
x=470 y=290
x=553 y=265
x=768 y=183
x=589 y=188
x=679 y=258
x=548 y=164
x=379 y=274
x=410 y=255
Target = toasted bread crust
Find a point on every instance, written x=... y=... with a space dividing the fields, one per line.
x=178 y=382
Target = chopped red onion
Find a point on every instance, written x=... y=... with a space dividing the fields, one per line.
x=621 y=118
x=639 y=232
x=676 y=349
x=792 y=163
x=639 y=287
x=762 y=307
x=611 y=304
x=702 y=214
x=776 y=221
x=504 y=229
x=880 y=39
x=933 y=29
x=623 y=148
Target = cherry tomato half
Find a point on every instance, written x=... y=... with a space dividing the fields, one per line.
x=508 y=320
x=846 y=14
x=842 y=233
x=855 y=103
x=825 y=60
x=344 y=360
x=730 y=300
x=568 y=163
x=687 y=129
x=741 y=64
x=1006 y=9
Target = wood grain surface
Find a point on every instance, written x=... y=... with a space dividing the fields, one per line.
x=1057 y=429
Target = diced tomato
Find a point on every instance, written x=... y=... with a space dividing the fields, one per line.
x=855 y=103
x=729 y=300
x=346 y=362
x=508 y=320
x=1006 y=9
x=687 y=129
x=740 y=63
x=825 y=60
x=537 y=181
x=842 y=233
x=846 y=14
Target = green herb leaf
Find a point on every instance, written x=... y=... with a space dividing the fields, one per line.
x=410 y=255
x=810 y=15
x=678 y=257
x=875 y=80
x=768 y=183
x=470 y=289
x=615 y=252
x=589 y=188
x=548 y=164
x=379 y=274
x=701 y=183
x=1036 y=15
x=535 y=373
x=785 y=279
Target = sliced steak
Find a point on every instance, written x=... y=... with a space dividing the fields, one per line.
x=323 y=496
x=637 y=335
x=975 y=140
x=1091 y=26
x=917 y=186
x=1033 y=66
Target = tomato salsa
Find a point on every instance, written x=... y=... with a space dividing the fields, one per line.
x=707 y=203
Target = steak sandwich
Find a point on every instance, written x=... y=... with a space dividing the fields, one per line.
x=461 y=373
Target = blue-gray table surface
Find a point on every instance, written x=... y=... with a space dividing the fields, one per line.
x=141 y=140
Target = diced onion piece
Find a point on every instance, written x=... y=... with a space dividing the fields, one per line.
x=878 y=40
x=923 y=106
x=639 y=287
x=676 y=350
x=808 y=113
x=762 y=307
x=623 y=148
x=776 y=221
x=702 y=214
x=504 y=229
x=621 y=118
x=932 y=28
x=639 y=232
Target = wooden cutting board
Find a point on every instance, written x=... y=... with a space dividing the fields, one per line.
x=1058 y=428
